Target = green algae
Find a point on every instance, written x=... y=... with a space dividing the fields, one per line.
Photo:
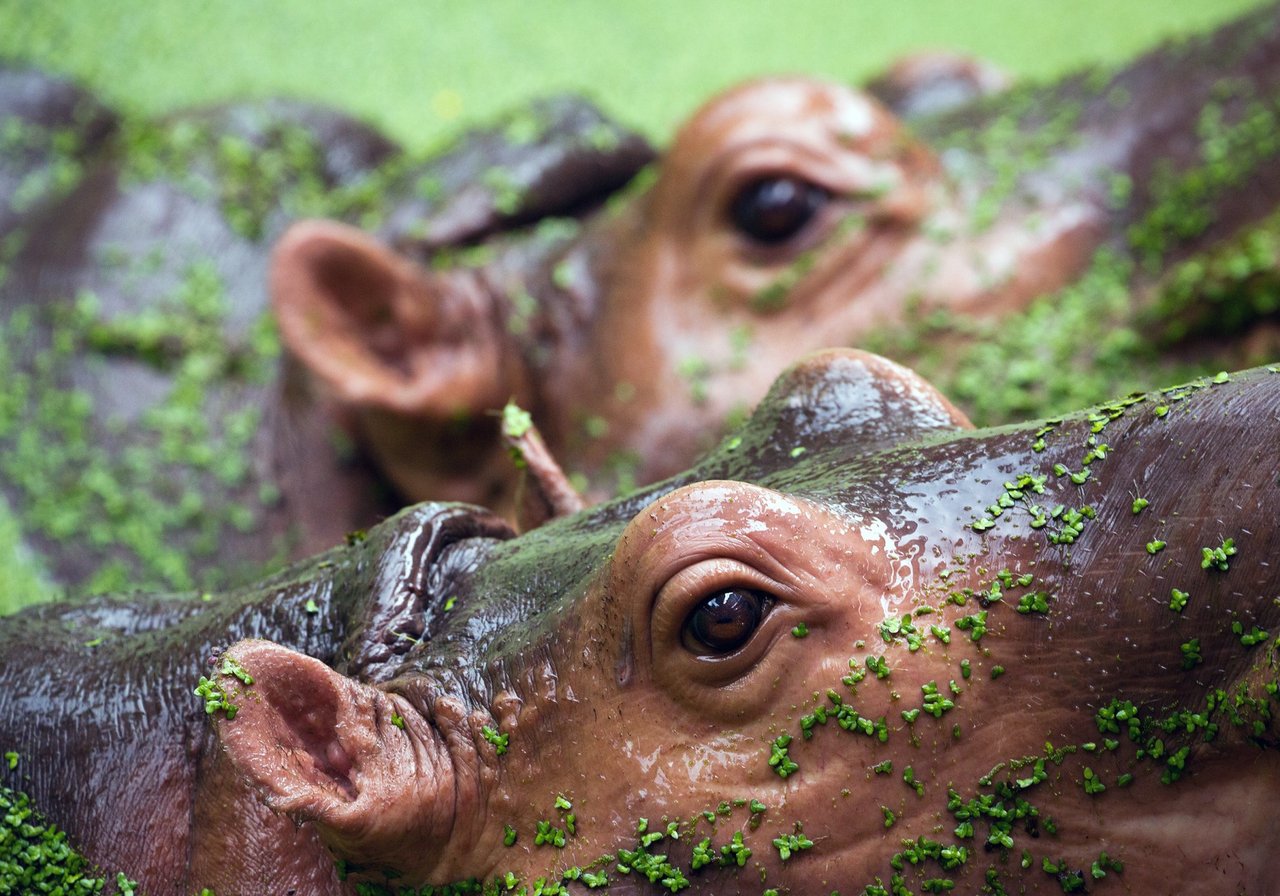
x=147 y=498
x=1004 y=807
x=1023 y=137
x=1185 y=203
x=36 y=857
x=277 y=171
x=1173 y=281
x=178 y=460
x=60 y=151
x=1087 y=341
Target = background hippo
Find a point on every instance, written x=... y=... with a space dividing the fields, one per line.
x=858 y=648
x=524 y=300
x=151 y=436
x=790 y=214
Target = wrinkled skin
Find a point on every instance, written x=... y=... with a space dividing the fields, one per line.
x=586 y=642
x=787 y=215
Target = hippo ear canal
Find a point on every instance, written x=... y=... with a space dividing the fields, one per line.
x=775 y=208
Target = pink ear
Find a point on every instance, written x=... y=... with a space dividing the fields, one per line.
x=382 y=331
x=361 y=764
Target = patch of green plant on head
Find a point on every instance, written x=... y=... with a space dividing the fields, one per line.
x=1221 y=292
x=281 y=171
x=507 y=193
x=59 y=167
x=1022 y=130
x=1076 y=347
x=145 y=497
x=1184 y=203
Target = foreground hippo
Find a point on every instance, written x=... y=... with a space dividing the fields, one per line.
x=858 y=648
x=791 y=214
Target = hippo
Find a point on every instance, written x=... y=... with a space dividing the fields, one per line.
x=860 y=647
x=634 y=322
x=156 y=439
x=790 y=214
x=152 y=435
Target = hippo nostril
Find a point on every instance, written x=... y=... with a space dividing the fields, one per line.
x=725 y=620
x=775 y=208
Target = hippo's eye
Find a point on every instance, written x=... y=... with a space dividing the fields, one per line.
x=773 y=209
x=725 y=621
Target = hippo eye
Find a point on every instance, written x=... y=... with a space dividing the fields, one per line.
x=773 y=209
x=725 y=621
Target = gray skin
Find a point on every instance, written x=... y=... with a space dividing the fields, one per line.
x=223 y=461
x=855 y=498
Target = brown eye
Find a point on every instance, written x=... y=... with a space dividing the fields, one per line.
x=725 y=621
x=773 y=209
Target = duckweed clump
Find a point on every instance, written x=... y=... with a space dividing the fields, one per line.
x=1169 y=280
x=277 y=173
x=36 y=859
x=139 y=498
x=60 y=155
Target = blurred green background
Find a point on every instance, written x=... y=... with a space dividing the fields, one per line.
x=422 y=70
x=425 y=71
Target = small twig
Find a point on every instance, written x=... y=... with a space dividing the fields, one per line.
x=544 y=492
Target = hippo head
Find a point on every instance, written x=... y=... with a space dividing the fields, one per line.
x=858 y=648
x=777 y=206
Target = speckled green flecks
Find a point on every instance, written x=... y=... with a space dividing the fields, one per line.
x=36 y=858
x=121 y=489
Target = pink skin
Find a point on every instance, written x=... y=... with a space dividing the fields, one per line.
x=681 y=334
x=685 y=288
x=368 y=768
x=583 y=644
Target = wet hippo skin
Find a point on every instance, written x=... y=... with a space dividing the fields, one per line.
x=859 y=647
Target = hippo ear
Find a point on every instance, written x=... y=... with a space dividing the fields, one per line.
x=381 y=330
x=358 y=762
